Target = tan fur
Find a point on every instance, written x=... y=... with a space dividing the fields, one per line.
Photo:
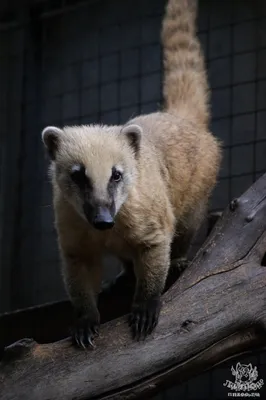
x=167 y=182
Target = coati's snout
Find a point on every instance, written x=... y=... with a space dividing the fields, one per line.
x=100 y=217
x=103 y=219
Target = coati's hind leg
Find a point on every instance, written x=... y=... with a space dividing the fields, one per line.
x=151 y=268
x=185 y=234
x=179 y=250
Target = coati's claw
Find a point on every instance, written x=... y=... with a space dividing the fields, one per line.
x=84 y=332
x=144 y=317
x=95 y=330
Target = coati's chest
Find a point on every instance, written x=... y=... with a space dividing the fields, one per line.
x=113 y=241
x=119 y=247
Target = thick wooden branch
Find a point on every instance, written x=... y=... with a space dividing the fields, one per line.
x=215 y=310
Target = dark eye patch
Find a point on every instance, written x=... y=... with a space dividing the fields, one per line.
x=79 y=177
x=114 y=181
x=116 y=175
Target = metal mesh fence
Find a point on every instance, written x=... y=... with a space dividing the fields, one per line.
x=83 y=62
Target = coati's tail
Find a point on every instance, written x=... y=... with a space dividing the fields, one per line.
x=185 y=81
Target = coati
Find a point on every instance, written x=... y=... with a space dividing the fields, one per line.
x=138 y=191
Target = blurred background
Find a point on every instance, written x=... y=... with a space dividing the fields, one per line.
x=79 y=62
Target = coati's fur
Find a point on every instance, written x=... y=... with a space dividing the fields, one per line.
x=149 y=180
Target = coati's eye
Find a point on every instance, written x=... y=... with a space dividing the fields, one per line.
x=78 y=175
x=116 y=175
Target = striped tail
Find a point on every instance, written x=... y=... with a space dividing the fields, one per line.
x=185 y=88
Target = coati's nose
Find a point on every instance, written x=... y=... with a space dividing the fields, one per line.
x=103 y=219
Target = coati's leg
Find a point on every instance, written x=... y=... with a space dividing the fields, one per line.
x=186 y=231
x=180 y=247
x=151 y=268
x=83 y=281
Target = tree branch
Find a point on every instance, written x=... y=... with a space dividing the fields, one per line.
x=215 y=310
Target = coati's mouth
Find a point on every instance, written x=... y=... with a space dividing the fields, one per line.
x=100 y=217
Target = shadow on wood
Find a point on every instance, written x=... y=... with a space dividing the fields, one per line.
x=215 y=310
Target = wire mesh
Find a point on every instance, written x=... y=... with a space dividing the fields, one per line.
x=100 y=61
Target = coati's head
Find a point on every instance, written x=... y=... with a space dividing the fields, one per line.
x=94 y=167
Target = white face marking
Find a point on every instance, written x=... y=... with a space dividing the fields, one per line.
x=119 y=168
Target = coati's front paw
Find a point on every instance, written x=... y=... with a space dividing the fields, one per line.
x=144 y=317
x=85 y=330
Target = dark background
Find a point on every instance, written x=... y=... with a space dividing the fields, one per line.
x=73 y=62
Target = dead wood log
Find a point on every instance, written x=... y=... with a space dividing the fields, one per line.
x=215 y=310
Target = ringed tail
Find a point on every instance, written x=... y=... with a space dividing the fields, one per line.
x=185 y=87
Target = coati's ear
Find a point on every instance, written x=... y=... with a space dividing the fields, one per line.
x=50 y=138
x=133 y=133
